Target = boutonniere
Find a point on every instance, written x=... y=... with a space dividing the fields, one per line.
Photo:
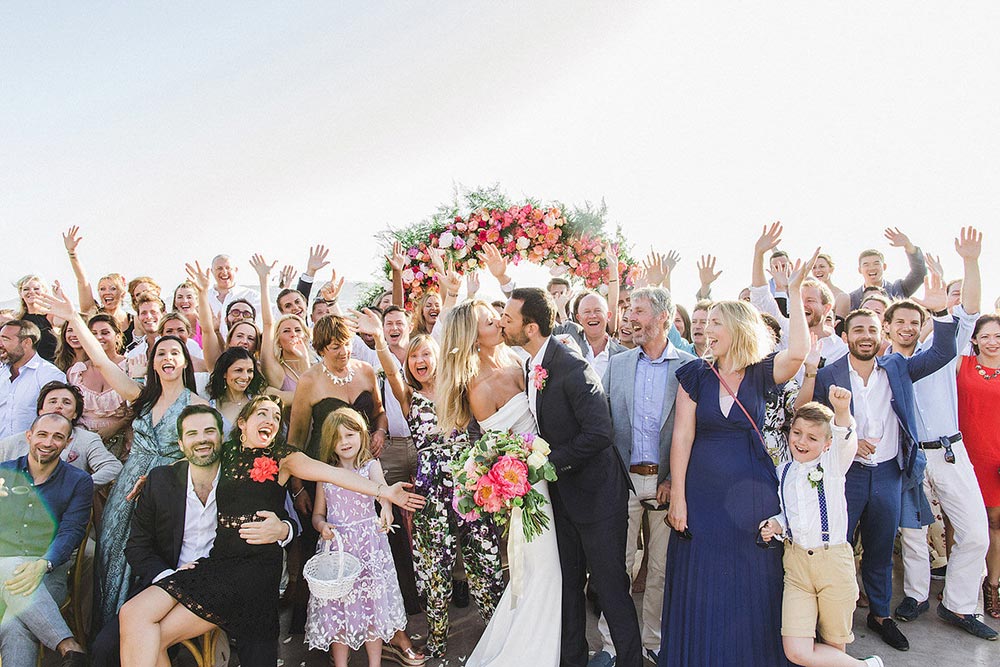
x=264 y=469
x=539 y=375
x=815 y=477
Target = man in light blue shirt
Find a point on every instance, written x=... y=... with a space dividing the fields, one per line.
x=22 y=376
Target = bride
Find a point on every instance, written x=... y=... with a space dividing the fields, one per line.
x=481 y=379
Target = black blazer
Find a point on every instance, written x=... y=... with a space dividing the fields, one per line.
x=574 y=418
x=154 y=545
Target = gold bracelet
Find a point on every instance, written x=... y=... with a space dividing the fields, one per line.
x=379 y=491
x=384 y=348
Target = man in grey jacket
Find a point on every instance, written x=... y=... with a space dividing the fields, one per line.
x=641 y=386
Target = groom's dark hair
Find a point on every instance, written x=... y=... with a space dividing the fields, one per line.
x=536 y=306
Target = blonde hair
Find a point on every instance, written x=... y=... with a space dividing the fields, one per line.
x=277 y=326
x=752 y=340
x=416 y=342
x=459 y=365
x=21 y=283
x=330 y=437
x=419 y=323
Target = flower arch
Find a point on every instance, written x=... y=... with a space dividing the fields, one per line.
x=565 y=240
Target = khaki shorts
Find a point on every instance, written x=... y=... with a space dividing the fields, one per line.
x=820 y=589
x=399 y=460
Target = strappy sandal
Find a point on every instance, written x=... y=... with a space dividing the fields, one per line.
x=407 y=657
x=991 y=599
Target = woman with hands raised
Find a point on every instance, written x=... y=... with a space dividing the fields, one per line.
x=111 y=288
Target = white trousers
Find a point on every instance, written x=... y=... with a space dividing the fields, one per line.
x=956 y=487
x=659 y=535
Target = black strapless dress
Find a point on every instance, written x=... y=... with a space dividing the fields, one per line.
x=364 y=403
x=236 y=587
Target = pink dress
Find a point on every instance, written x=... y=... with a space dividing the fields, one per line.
x=373 y=609
x=100 y=409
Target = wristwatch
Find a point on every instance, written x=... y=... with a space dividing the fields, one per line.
x=48 y=566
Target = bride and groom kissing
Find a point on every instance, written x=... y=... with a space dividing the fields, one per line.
x=556 y=394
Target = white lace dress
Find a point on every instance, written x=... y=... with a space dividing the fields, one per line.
x=529 y=633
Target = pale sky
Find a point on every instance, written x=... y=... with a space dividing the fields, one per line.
x=176 y=131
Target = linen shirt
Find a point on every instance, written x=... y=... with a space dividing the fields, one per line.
x=800 y=500
x=599 y=362
x=874 y=414
x=19 y=398
x=936 y=395
x=46 y=520
x=651 y=377
x=535 y=361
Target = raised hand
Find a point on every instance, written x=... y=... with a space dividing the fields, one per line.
x=317 y=259
x=286 y=276
x=437 y=259
x=656 y=268
x=449 y=278
x=934 y=263
x=769 y=238
x=472 y=283
x=494 y=261
x=71 y=239
x=260 y=265
x=201 y=278
x=331 y=290
x=897 y=239
x=670 y=261
x=367 y=321
x=801 y=270
x=136 y=365
x=935 y=297
x=969 y=244
x=840 y=399
x=397 y=259
x=815 y=353
x=706 y=270
x=57 y=303
x=781 y=277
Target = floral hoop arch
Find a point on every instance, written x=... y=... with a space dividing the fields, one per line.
x=569 y=242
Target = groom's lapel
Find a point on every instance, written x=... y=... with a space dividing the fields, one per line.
x=546 y=363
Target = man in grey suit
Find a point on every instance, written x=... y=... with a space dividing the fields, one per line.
x=641 y=385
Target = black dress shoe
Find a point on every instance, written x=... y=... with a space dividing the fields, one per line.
x=460 y=593
x=909 y=609
x=74 y=659
x=889 y=632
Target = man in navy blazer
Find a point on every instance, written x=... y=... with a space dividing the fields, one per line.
x=641 y=385
x=889 y=464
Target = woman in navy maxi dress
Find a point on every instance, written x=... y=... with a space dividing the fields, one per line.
x=722 y=600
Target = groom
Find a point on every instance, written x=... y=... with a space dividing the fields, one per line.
x=589 y=501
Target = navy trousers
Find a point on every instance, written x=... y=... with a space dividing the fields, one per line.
x=873 y=504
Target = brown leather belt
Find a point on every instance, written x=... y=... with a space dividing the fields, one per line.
x=644 y=469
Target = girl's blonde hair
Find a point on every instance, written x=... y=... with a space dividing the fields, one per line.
x=351 y=420
x=751 y=340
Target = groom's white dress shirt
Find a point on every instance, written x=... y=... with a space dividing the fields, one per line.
x=535 y=361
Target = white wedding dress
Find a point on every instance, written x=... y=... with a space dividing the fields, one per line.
x=529 y=633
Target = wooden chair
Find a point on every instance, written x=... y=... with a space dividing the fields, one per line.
x=72 y=606
x=202 y=648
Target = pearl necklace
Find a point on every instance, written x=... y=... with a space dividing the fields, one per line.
x=339 y=381
x=987 y=376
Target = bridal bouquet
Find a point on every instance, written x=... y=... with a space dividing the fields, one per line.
x=495 y=475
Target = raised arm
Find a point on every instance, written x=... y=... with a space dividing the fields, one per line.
x=211 y=340
x=969 y=246
x=497 y=266
x=397 y=261
x=706 y=276
x=811 y=364
x=769 y=239
x=273 y=371
x=369 y=323
x=918 y=267
x=788 y=361
x=71 y=240
x=614 y=287
x=59 y=305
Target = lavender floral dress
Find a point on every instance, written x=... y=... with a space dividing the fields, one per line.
x=373 y=609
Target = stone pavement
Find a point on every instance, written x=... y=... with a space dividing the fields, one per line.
x=932 y=642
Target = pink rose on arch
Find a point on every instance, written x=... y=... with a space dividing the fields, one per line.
x=511 y=477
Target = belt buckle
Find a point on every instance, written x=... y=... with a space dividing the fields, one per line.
x=949 y=453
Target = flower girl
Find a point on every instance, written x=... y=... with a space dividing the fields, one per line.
x=372 y=611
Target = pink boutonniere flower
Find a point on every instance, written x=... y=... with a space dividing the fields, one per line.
x=539 y=375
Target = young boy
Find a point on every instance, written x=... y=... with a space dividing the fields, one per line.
x=820 y=586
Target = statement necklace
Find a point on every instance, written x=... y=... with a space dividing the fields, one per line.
x=987 y=376
x=339 y=381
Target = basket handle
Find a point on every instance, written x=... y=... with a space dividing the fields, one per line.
x=340 y=548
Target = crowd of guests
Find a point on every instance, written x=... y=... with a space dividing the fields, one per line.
x=778 y=444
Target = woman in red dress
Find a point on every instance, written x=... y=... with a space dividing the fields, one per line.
x=978 y=400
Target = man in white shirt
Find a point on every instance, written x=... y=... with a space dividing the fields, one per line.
x=179 y=500
x=225 y=290
x=949 y=473
x=22 y=376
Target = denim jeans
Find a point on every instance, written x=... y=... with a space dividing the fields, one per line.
x=33 y=619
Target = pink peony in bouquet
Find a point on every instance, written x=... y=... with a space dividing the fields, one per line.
x=495 y=475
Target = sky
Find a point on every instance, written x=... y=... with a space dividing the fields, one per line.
x=176 y=131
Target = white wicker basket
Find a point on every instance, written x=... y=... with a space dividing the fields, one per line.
x=331 y=573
